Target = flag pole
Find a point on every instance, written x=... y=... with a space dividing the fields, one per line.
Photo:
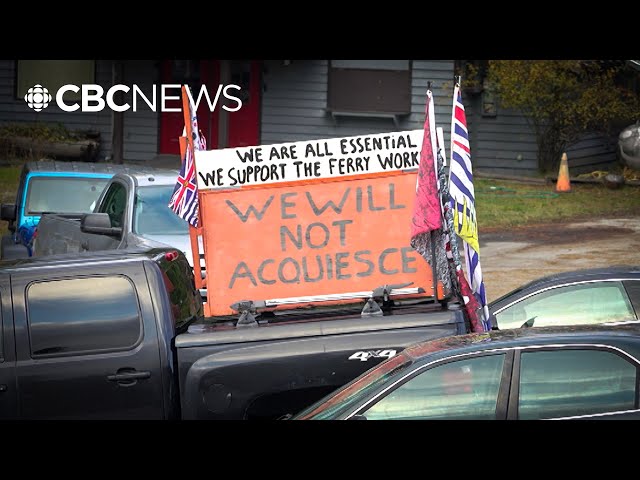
x=464 y=224
x=194 y=232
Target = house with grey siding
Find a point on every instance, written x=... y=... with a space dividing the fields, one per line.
x=282 y=101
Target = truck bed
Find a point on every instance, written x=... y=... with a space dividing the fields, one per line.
x=273 y=369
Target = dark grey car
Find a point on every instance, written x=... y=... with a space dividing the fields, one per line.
x=592 y=296
x=521 y=374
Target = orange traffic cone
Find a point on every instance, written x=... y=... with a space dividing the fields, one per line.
x=563 y=184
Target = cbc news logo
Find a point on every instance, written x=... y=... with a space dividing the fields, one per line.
x=94 y=98
x=37 y=98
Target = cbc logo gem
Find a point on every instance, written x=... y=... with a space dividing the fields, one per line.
x=37 y=98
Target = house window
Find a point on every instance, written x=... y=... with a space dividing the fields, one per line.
x=53 y=74
x=369 y=87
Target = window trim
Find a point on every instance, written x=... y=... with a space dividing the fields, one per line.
x=507 y=365
x=77 y=353
x=569 y=284
x=514 y=398
x=103 y=200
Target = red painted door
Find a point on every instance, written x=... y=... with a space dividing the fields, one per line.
x=194 y=73
x=243 y=125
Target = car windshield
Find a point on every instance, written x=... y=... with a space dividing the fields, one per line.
x=152 y=216
x=61 y=194
x=333 y=405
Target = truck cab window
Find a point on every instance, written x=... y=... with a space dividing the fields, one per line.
x=115 y=203
x=63 y=318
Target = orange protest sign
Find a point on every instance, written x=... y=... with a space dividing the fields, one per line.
x=288 y=242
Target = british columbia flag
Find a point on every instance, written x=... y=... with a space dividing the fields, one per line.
x=184 y=200
x=462 y=196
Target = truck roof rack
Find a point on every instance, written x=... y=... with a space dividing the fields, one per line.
x=248 y=310
x=372 y=307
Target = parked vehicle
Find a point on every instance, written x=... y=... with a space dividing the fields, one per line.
x=131 y=212
x=629 y=146
x=587 y=296
x=120 y=334
x=51 y=187
x=575 y=372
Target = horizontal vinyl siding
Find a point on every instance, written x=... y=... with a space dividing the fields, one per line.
x=504 y=144
x=14 y=110
x=140 y=128
x=593 y=152
x=294 y=103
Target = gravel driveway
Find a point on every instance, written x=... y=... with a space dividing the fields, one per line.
x=511 y=258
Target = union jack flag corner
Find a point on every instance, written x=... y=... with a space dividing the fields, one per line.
x=184 y=200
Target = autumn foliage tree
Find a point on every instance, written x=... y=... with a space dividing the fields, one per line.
x=563 y=99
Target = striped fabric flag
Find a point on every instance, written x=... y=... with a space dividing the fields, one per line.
x=184 y=200
x=463 y=201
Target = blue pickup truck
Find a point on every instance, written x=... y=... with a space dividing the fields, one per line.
x=49 y=186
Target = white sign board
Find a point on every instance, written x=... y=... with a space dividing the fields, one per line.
x=325 y=158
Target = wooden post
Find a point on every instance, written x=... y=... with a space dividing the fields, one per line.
x=223 y=115
x=117 y=124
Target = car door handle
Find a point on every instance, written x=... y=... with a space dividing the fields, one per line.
x=128 y=377
x=3 y=388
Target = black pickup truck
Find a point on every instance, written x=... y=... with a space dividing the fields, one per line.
x=120 y=335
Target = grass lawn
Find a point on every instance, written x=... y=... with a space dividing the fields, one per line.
x=9 y=177
x=500 y=204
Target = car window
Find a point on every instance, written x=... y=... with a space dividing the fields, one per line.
x=462 y=389
x=633 y=290
x=587 y=303
x=151 y=215
x=82 y=315
x=79 y=193
x=565 y=383
x=114 y=204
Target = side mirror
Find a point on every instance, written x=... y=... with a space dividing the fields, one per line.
x=100 y=224
x=8 y=212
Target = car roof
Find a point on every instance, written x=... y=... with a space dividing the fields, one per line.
x=60 y=260
x=152 y=176
x=519 y=337
x=80 y=167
